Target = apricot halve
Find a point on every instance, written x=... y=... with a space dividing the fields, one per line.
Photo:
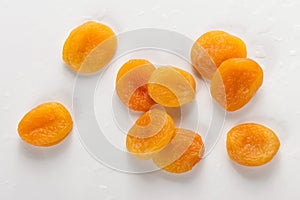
x=182 y=153
x=236 y=82
x=171 y=87
x=213 y=48
x=46 y=124
x=89 y=47
x=131 y=84
x=251 y=144
x=150 y=134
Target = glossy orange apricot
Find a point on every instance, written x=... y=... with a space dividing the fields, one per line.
x=252 y=144
x=150 y=134
x=46 y=124
x=89 y=47
x=182 y=153
x=138 y=99
x=213 y=48
x=171 y=87
x=235 y=82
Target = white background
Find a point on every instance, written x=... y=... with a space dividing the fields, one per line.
x=32 y=72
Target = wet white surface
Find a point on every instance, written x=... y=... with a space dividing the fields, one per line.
x=32 y=35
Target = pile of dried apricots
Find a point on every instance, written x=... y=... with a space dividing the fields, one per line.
x=216 y=55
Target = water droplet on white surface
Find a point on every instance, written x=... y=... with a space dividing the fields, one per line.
x=103 y=187
x=19 y=75
x=175 y=12
x=6 y=95
x=101 y=15
x=102 y=170
x=98 y=169
x=174 y=27
x=218 y=165
x=4 y=108
x=280 y=64
x=105 y=124
x=87 y=17
x=288 y=3
x=270 y=19
x=165 y=16
x=293 y=52
x=156 y=8
x=110 y=198
x=7 y=137
x=141 y=13
x=260 y=52
x=276 y=39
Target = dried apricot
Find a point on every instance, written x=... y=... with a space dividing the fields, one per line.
x=214 y=47
x=171 y=87
x=150 y=134
x=182 y=153
x=131 y=84
x=252 y=144
x=46 y=124
x=89 y=47
x=236 y=82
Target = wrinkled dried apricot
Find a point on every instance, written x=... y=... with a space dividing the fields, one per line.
x=46 y=124
x=252 y=144
x=182 y=153
x=150 y=134
x=131 y=84
x=171 y=87
x=89 y=47
x=214 y=47
x=236 y=82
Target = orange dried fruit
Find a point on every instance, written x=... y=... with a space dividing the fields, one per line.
x=131 y=84
x=171 y=87
x=182 y=153
x=252 y=144
x=213 y=48
x=150 y=134
x=46 y=124
x=89 y=47
x=235 y=82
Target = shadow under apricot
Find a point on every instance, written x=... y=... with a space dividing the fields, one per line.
x=42 y=153
x=259 y=172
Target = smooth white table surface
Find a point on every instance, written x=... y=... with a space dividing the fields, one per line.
x=32 y=72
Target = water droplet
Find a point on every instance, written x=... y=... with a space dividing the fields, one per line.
x=288 y=3
x=102 y=170
x=141 y=13
x=175 y=12
x=98 y=169
x=5 y=108
x=110 y=198
x=8 y=137
x=156 y=8
x=270 y=18
x=174 y=27
x=178 y=50
x=260 y=52
x=6 y=94
x=276 y=39
x=87 y=17
x=280 y=64
x=165 y=16
x=19 y=75
x=101 y=15
x=293 y=52
x=103 y=187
